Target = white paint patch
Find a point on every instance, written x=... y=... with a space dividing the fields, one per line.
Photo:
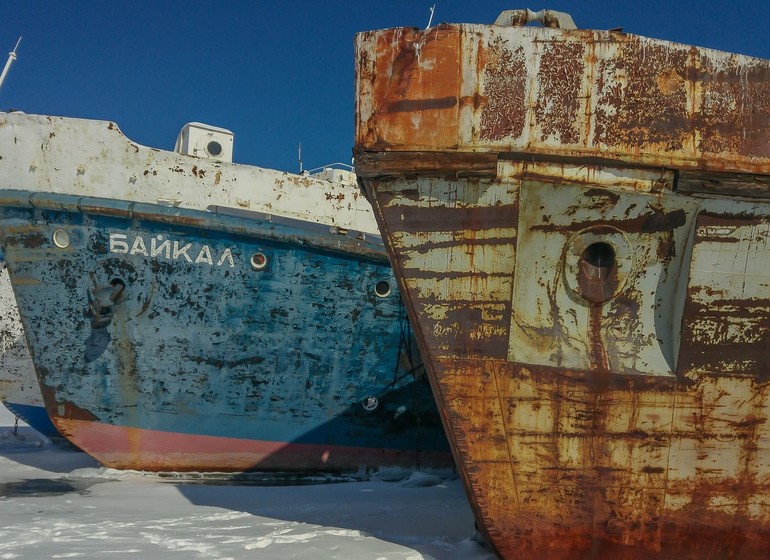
x=168 y=249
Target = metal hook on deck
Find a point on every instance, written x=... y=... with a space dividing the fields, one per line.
x=102 y=301
x=548 y=18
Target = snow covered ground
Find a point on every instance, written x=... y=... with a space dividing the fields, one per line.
x=59 y=503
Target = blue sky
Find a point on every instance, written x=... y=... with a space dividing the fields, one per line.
x=275 y=73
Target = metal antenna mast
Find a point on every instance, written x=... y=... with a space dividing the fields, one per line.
x=11 y=58
x=433 y=9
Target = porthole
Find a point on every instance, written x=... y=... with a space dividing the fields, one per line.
x=370 y=404
x=597 y=273
x=382 y=288
x=258 y=261
x=597 y=264
x=61 y=239
x=214 y=148
x=599 y=256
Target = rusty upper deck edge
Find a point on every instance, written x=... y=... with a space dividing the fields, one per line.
x=480 y=90
x=578 y=458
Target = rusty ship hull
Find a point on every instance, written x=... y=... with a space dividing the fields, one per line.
x=578 y=221
x=168 y=339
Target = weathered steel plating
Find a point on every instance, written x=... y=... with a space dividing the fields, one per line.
x=19 y=391
x=579 y=224
x=163 y=341
x=86 y=158
x=597 y=94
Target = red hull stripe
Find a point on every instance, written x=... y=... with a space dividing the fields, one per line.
x=151 y=450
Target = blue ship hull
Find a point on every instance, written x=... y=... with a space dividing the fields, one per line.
x=180 y=340
x=35 y=416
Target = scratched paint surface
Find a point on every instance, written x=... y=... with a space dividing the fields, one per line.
x=484 y=88
x=596 y=335
x=204 y=342
x=19 y=390
x=17 y=374
x=42 y=153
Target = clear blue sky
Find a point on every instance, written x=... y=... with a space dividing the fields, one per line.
x=275 y=73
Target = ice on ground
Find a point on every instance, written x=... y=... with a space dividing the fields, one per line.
x=12 y=440
x=59 y=503
x=421 y=480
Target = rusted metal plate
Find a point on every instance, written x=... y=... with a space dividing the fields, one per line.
x=581 y=313
x=596 y=333
x=727 y=309
x=587 y=429
x=573 y=93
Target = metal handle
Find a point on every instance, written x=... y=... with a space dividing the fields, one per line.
x=102 y=301
x=548 y=18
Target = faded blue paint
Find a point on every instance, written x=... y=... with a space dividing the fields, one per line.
x=287 y=353
x=35 y=416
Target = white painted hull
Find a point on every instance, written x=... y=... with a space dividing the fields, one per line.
x=93 y=158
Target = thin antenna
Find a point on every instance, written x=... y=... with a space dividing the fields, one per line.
x=11 y=58
x=299 y=157
x=432 y=9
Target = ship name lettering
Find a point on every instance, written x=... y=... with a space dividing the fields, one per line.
x=170 y=249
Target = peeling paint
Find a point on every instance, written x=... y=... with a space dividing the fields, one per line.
x=585 y=259
x=157 y=362
x=94 y=158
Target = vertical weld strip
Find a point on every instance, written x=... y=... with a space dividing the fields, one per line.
x=589 y=124
x=750 y=445
x=693 y=91
x=663 y=508
x=507 y=441
x=532 y=83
